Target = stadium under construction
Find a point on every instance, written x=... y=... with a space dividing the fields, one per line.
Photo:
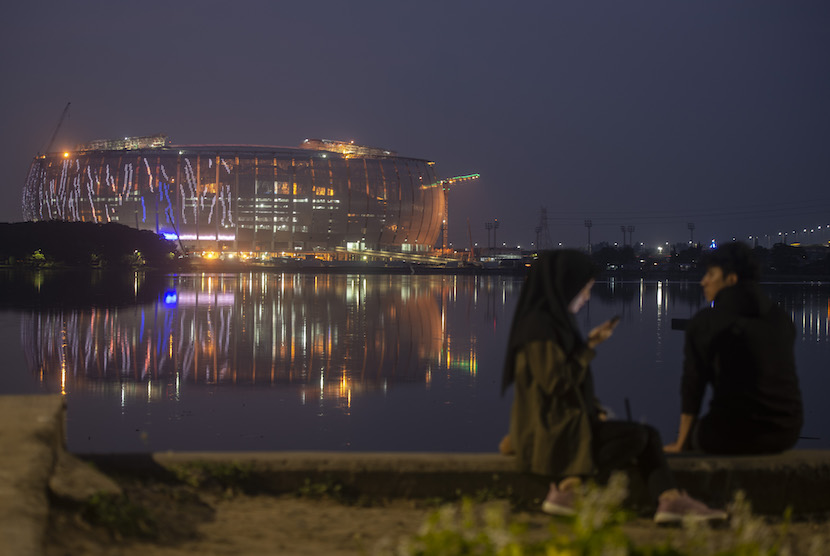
x=330 y=200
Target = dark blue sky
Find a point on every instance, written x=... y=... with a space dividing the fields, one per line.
x=628 y=112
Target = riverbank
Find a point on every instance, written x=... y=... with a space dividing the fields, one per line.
x=311 y=503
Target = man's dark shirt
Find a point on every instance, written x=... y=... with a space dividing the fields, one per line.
x=743 y=347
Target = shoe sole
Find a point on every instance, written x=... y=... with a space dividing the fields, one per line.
x=664 y=518
x=554 y=509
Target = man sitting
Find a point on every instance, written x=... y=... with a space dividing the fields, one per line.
x=743 y=347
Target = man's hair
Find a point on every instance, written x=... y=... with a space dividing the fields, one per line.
x=735 y=258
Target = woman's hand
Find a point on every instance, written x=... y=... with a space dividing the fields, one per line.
x=602 y=332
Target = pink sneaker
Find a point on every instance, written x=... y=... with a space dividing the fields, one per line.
x=684 y=507
x=559 y=502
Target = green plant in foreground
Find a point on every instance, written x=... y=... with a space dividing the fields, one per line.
x=596 y=529
x=459 y=529
x=462 y=529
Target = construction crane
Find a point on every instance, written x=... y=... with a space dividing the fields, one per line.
x=445 y=185
x=58 y=127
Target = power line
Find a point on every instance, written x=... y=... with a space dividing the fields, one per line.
x=797 y=208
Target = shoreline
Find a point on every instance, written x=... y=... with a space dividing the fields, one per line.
x=220 y=267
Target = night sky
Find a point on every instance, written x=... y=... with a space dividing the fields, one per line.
x=649 y=114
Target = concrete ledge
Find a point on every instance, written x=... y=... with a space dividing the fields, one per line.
x=374 y=474
x=798 y=479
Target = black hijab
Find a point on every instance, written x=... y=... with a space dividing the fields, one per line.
x=542 y=312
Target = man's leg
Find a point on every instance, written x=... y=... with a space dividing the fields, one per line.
x=618 y=444
x=715 y=436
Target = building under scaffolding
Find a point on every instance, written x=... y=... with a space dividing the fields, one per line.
x=323 y=197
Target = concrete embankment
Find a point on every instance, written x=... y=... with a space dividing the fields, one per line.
x=33 y=463
x=31 y=437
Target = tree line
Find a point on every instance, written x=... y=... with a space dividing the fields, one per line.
x=59 y=243
x=780 y=259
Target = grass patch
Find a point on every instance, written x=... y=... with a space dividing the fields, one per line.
x=229 y=477
x=154 y=512
x=119 y=515
x=329 y=489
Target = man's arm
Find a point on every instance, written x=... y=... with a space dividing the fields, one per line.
x=687 y=420
x=693 y=385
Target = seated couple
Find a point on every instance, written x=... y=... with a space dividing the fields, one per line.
x=742 y=346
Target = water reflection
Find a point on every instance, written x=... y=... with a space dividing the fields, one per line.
x=365 y=362
x=48 y=289
x=336 y=333
x=809 y=308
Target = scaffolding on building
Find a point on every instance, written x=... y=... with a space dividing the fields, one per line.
x=127 y=143
x=346 y=148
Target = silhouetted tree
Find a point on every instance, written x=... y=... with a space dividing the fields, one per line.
x=81 y=244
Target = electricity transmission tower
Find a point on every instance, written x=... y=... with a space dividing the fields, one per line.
x=543 y=240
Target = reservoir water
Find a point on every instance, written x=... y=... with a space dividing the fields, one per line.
x=264 y=361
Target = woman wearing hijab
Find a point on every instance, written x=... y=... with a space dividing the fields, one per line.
x=557 y=427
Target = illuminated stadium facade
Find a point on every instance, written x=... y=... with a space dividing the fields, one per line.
x=324 y=196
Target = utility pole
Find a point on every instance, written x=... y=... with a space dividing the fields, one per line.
x=691 y=227
x=588 y=225
x=488 y=226
x=495 y=228
x=630 y=235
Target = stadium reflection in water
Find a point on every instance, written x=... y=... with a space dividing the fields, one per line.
x=333 y=333
x=359 y=362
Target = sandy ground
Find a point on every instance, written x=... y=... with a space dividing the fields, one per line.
x=218 y=524
x=255 y=525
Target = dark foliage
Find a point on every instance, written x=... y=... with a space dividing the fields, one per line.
x=82 y=244
x=779 y=261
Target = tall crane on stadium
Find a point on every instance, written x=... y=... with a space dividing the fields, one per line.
x=58 y=127
x=445 y=185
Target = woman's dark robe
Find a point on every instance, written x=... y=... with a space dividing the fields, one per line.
x=548 y=363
